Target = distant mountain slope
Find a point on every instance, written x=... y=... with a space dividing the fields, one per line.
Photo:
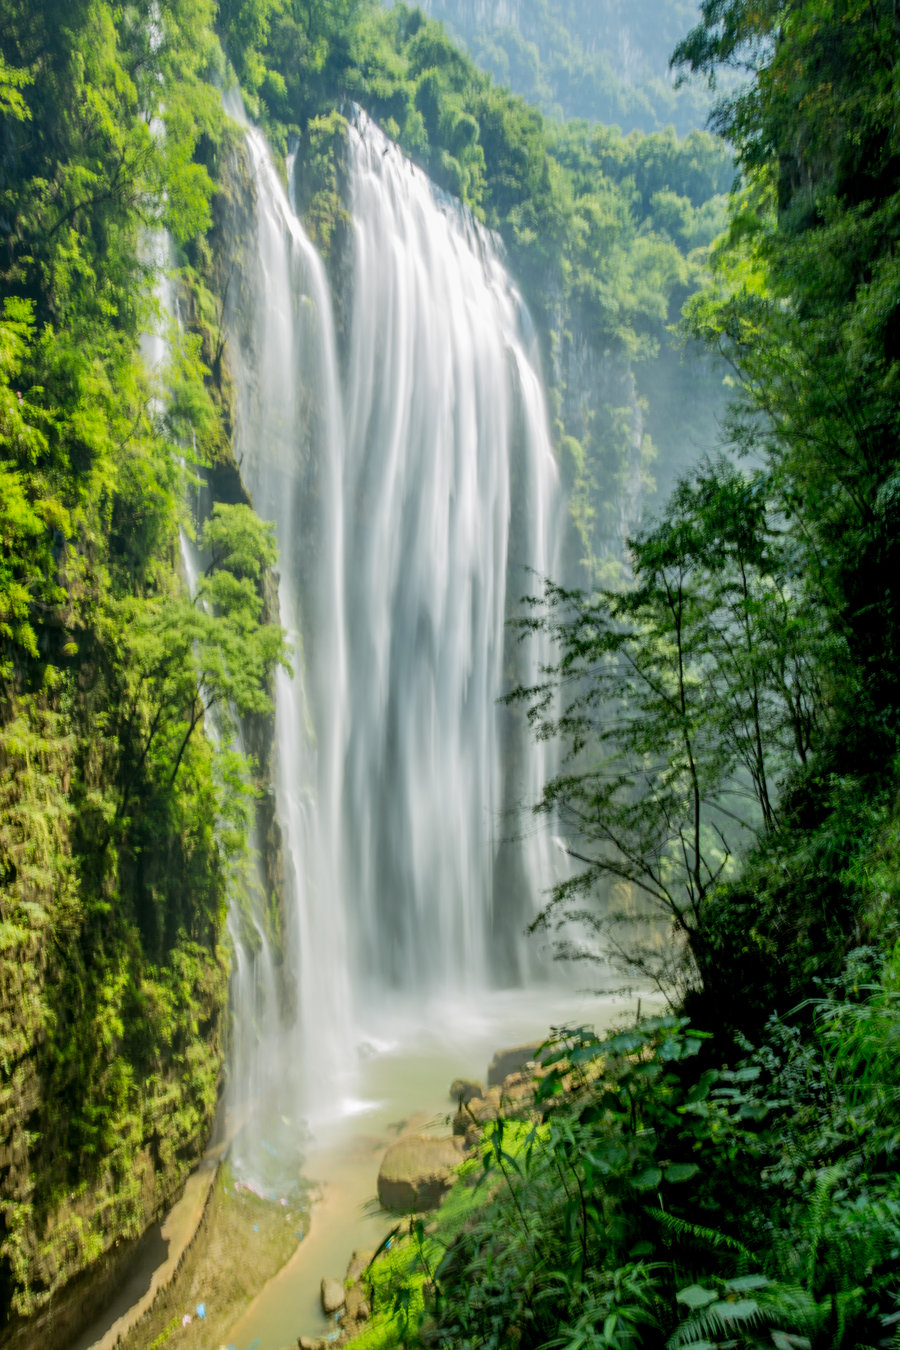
x=603 y=60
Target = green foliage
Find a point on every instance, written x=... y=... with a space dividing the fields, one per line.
x=806 y=293
x=121 y=824
x=751 y=666
x=653 y=1205
x=689 y=696
x=319 y=197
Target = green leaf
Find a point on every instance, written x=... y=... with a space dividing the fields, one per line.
x=782 y=1341
x=681 y=1171
x=743 y=1284
x=695 y=1296
x=741 y=1310
x=648 y=1180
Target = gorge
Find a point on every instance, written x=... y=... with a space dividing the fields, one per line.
x=444 y=530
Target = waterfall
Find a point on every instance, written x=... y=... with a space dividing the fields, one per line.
x=411 y=482
x=446 y=443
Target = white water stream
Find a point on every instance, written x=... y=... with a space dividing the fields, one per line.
x=411 y=482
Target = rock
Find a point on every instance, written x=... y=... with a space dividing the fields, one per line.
x=363 y=1312
x=333 y=1297
x=473 y=1136
x=416 y=1171
x=488 y=1108
x=463 y=1090
x=510 y=1061
x=358 y=1264
x=310 y=1343
x=477 y=1112
x=356 y=1300
x=517 y=1091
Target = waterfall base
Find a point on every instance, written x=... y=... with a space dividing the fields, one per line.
x=256 y=1264
x=405 y=1085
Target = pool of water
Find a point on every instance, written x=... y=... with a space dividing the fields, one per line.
x=407 y=1060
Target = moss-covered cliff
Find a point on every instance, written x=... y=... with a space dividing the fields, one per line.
x=121 y=827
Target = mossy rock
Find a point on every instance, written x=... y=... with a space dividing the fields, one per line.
x=416 y=1171
x=510 y=1061
x=462 y=1090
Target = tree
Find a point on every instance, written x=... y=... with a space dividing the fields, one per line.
x=682 y=704
x=185 y=657
x=805 y=297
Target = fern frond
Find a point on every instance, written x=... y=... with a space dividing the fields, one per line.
x=815 y=1220
x=782 y=1307
x=683 y=1229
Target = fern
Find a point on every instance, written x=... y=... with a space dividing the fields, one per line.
x=683 y=1229
x=787 y=1308
x=815 y=1222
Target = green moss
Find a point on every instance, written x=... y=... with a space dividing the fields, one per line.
x=319 y=162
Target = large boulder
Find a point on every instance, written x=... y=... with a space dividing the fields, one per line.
x=517 y=1092
x=332 y=1296
x=510 y=1061
x=416 y=1172
x=358 y=1309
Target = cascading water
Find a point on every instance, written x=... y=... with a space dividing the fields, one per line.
x=290 y=419
x=408 y=497
x=448 y=465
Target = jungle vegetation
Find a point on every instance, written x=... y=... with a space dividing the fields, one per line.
x=730 y=1177
x=121 y=828
x=124 y=822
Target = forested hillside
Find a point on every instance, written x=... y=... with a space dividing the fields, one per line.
x=607 y=234
x=603 y=60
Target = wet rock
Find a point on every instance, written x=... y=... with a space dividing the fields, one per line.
x=311 y=1343
x=483 y=1109
x=478 y=1112
x=416 y=1171
x=510 y=1061
x=464 y=1089
x=332 y=1296
x=356 y=1301
x=473 y=1136
x=358 y=1264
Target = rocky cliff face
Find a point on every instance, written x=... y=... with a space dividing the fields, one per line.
x=113 y=982
x=110 y=1058
x=637 y=35
x=466 y=14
